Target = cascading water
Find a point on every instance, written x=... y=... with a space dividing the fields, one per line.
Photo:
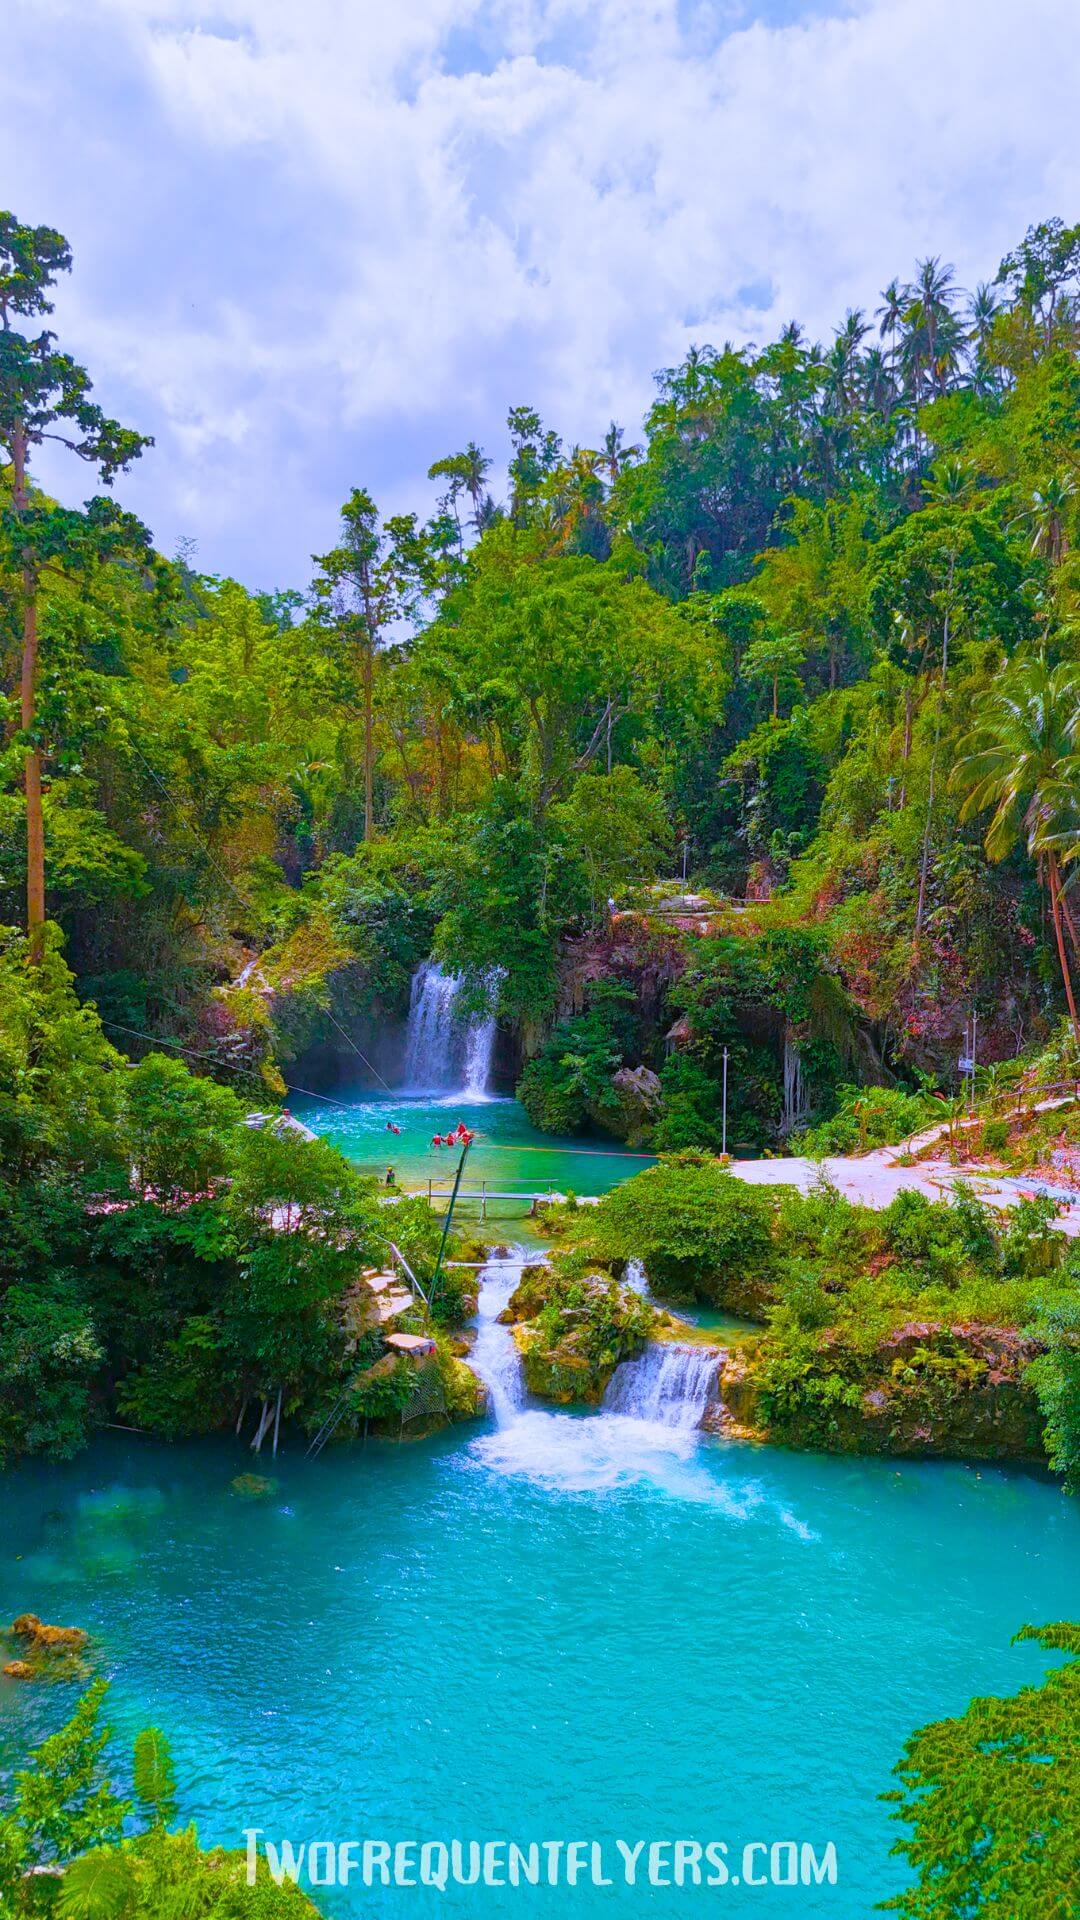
x=667 y=1385
x=645 y=1430
x=445 y=1053
x=494 y=1356
x=479 y=1047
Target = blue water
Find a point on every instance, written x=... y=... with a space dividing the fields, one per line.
x=561 y=1627
x=567 y=1627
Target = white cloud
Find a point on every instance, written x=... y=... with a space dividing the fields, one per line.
x=346 y=236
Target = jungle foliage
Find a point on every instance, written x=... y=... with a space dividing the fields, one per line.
x=815 y=634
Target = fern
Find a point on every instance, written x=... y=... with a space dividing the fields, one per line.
x=155 y=1776
x=98 y=1886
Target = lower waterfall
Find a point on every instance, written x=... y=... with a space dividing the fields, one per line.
x=667 y=1384
x=644 y=1432
x=494 y=1357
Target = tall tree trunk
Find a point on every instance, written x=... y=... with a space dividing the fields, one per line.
x=909 y=715
x=924 y=864
x=1053 y=875
x=35 y=823
x=369 y=744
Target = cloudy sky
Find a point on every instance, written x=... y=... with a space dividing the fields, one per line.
x=319 y=243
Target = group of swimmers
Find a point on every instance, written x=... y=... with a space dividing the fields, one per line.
x=461 y=1137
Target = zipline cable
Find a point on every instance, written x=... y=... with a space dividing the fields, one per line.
x=157 y=1040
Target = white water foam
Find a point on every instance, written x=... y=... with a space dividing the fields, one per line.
x=645 y=1434
x=494 y=1356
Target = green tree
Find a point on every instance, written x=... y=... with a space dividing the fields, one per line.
x=775 y=658
x=371 y=581
x=617 y=828
x=303 y=1222
x=699 y=1232
x=50 y=1359
x=44 y=395
x=180 y=1128
x=1055 y=1375
x=63 y=1850
x=990 y=1800
x=63 y=1806
x=60 y=1080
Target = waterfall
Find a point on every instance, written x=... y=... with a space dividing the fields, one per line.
x=494 y=1356
x=445 y=1053
x=635 y=1279
x=479 y=1047
x=668 y=1385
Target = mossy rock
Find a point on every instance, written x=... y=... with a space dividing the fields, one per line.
x=47 y=1652
x=561 y=1373
x=253 y=1486
x=466 y=1394
x=50 y=1639
x=531 y=1294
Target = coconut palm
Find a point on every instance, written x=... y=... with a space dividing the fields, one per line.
x=895 y=301
x=949 y=484
x=933 y=338
x=1020 y=761
x=475 y=467
x=614 y=456
x=878 y=385
x=1047 y=517
x=982 y=312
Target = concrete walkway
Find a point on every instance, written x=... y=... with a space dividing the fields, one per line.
x=875 y=1179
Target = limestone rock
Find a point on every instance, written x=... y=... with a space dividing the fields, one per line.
x=415 y=1346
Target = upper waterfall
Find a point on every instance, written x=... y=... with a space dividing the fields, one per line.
x=445 y=1053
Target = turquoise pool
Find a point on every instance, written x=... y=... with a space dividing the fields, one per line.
x=573 y=1627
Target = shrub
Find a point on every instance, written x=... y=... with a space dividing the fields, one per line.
x=867 y=1117
x=700 y=1232
x=571 y=1076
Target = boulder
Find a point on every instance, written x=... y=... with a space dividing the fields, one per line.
x=20 y=1670
x=466 y=1394
x=631 y=1105
x=53 y=1639
x=561 y=1373
x=927 y=1390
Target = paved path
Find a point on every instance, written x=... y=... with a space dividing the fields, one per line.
x=874 y=1179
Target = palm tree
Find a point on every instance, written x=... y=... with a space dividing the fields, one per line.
x=1020 y=760
x=982 y=313
x=1047 y=515
x=949 y=484
x=475 y=468
x=894 y=303
x=879 y=388
x=614 y=456
x=933 y=338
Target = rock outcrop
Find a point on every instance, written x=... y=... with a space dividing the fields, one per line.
x=926 y=1390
